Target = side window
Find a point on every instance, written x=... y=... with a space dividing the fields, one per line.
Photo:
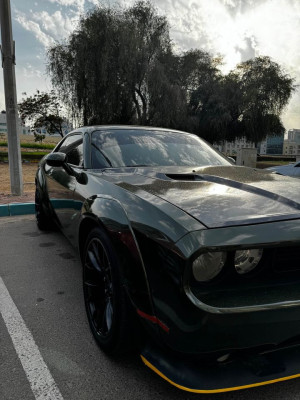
x=75 y=155
x=73 y=148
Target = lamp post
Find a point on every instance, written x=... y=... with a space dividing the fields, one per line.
x=8 y=64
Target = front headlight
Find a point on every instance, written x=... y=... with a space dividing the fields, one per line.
x=246 y=260
x=208 y=265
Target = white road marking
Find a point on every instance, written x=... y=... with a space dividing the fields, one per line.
x=41 y=381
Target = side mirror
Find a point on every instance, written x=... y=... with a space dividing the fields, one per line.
x=60 y=160
x=231 y=159
x=56 y=159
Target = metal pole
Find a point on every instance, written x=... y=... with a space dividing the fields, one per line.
x=8 y=64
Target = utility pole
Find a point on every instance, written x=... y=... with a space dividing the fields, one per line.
x=8 y=64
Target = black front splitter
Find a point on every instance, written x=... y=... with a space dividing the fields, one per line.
x=239 y=373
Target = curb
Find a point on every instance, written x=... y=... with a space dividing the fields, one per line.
x=8 y=210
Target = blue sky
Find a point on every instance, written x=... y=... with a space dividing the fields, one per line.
x=236 y=29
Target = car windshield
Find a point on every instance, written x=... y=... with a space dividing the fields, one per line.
x=133 y=147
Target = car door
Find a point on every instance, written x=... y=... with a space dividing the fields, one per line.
x=61 y=184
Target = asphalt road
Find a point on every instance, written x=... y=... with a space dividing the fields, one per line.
x=43 y=313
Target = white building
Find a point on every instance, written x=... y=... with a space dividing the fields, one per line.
x=271 y=145
x=22 y=129
x=293 y=135
x=231 y=148
x=291 y=145
x=291 y=148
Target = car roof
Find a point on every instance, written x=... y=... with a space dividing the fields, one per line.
x=125 y=127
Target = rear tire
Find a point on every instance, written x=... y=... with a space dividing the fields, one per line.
x=43 y=221
x=107 y=305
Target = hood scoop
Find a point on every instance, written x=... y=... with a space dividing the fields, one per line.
x=184 y=177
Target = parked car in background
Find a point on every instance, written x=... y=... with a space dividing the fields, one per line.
x=199 y=257
x=289 y=170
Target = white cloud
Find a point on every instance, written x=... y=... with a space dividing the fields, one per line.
x=70 y=3
x=56 y=25
x=95 y=2
x=35 y=28
x=29 y=71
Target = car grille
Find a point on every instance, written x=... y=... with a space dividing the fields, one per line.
x=286 y=259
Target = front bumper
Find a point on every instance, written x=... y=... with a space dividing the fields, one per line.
x=242 y=372
x=259 y=314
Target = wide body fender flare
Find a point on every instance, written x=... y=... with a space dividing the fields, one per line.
x=108 y=213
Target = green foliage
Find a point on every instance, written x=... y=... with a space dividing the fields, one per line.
x=38 y=146
x=266 y=90
x=42 y=110
x=30 y=145
x=104 y=68
x=119 y=67
x=246 y=102
x=36 y=155
x=38 y=137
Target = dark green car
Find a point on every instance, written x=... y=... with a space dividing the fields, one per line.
x=191 y=258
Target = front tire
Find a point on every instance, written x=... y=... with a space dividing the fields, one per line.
x=107 y=306
x=43 y=221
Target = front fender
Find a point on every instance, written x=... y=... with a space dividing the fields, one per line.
x=110 y=215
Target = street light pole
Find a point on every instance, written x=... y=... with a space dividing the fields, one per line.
x=8 y=64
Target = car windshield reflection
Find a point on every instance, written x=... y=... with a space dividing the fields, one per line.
x=133 y=148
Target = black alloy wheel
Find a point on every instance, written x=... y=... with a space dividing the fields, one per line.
x=43 y=221
x=106 y=303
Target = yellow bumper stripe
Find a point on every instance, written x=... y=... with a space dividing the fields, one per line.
x=285 y=378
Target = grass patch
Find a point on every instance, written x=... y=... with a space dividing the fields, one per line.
x=34 y=155
x=31 y=145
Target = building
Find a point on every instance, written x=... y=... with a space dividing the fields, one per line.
x=291 y=145
x=293 y=135
x=22 y=129
x=25 y=130
x=291 y=148
x=271 y=145
x=231 y=148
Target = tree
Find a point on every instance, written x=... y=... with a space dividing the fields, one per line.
x=266 y=90
x=39 y=137
x=104 y=68
x=246 y=102
x=119 y=67
x=42 y=110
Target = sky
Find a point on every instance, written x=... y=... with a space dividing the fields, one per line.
x=236 y=29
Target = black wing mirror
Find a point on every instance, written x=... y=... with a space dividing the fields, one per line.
x=60 y=160
x=56 y=159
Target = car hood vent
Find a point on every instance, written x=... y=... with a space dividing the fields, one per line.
x=183 y=177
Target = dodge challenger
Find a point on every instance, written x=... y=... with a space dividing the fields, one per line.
x=187 y=257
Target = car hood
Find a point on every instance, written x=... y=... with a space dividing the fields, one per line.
x=217 y=196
